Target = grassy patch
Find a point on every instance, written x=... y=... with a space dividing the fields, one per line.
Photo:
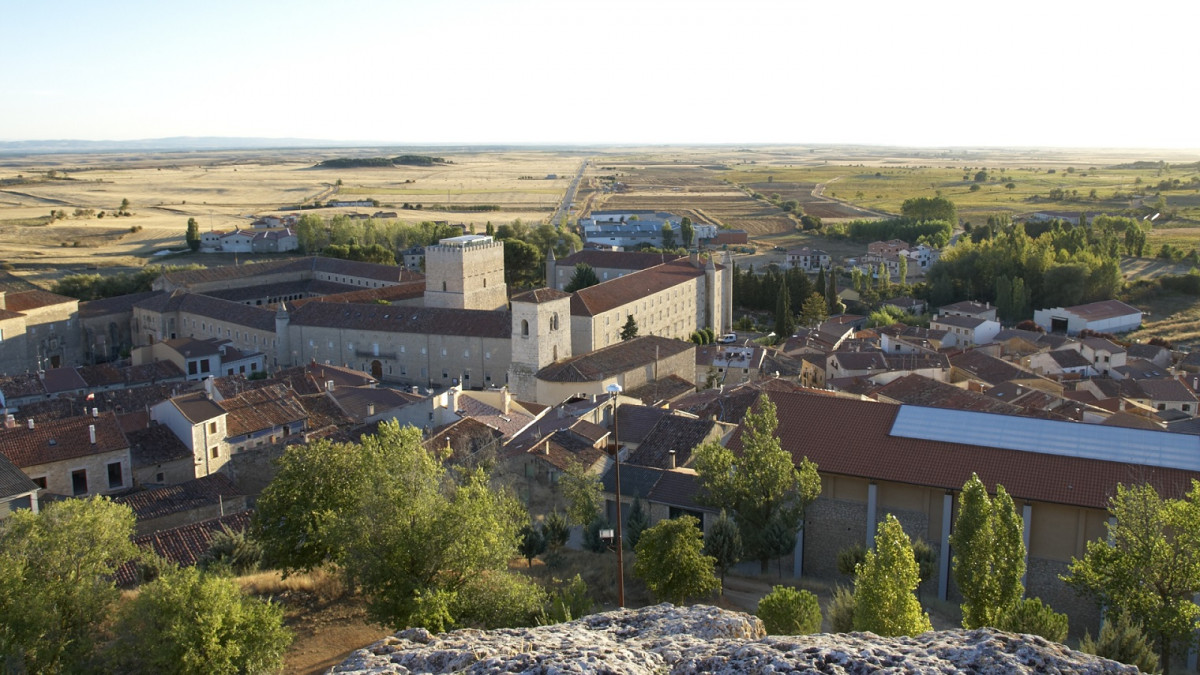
x=38 y=221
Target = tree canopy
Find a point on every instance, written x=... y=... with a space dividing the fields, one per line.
x=630 y=329
x=584 y=276
x=989 y=554
x=190 y=622
x=1150 y=566
x=759 y=485
x=884 y=602
x=670 y=560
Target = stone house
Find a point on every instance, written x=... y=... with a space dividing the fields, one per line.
x=74 y=457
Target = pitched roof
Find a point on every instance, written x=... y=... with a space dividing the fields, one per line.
x=355 y=400
x=968 y=322
x=968 y=307
x=1105 y=309
x=408 y=290
x=464 y=437
x=120 y=304
x=1166 y=389
x=1068 y=358
x=13 y=481
x=62 y=439
x=624 y=290
x=182 y=545
x=614 y=359
x=188 y=495
x=663 y=389
x=24 y=301
x=58 y=380
x=258 y=318
x=394 y=319
x=815 y=427
x=540 y=295
x=923 y=391
x=634 y=422
x=155 y=444
x=259 y=409
x=197 y=407
x=678 y=433
x=988 y=368
x=107 y=374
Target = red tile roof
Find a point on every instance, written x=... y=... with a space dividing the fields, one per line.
x=418 y=320
x=540 y=295
x=182 y=545
x=63 y=439
x=261 y=409
x=852 y=438
x=614 y=293
x=614 y=359
x=27 y=300
x=192 y=494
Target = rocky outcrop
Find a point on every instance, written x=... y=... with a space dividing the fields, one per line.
x=703 y=639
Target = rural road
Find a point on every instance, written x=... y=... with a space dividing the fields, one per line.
x=818 y=193
x=569 y=197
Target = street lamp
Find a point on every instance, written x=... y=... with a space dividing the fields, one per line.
x=613 y=390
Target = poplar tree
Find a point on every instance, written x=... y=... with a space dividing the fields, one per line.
x=785 y=321
x=989 y=554
x=761 y=484
x=884 y=602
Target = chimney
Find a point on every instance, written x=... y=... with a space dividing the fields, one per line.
x=416 y=390
x=370 y=410
x=10 y=421
x=546 y=447
x=92 y=433
x=31 y=423
x=670 y=459
x=507 y=400
x=328 y=385
x=95 y=412
x=694 y=258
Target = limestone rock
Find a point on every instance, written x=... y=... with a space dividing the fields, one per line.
x=703 y=639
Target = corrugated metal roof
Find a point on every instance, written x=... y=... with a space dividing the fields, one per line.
x=1065 y=439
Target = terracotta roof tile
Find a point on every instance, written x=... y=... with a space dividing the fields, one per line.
x=852 y=438
x=27 y=300
x=614 y=293
x=58 y=440
x=922 y=391
x=182 y=545
x=155 y=444
x=261 y=409
x=192 y=494
x=672 y=432
x=419 y=320
x=121 y=304
x=614 y=359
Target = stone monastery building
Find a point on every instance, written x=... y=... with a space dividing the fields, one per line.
x=453 y=326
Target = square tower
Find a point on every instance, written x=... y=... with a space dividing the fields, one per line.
x=466 y=272
x=541 y=335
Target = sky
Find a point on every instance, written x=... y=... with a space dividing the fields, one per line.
x=964 y=73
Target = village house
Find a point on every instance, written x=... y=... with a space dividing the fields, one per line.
x=73 y=457
x=808 y=259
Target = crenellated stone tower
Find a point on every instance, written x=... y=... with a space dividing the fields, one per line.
x=466 y=272
x=541 y=335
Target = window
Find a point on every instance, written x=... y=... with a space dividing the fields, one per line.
x=192 y=368
x=40 y=481
x=79 y=482
x=160 y=477
x=115 y=479
x=524 y=328
x=216 y=452
x=212 y=427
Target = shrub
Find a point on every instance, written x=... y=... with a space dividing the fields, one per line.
x=1032 y=616
x=788 y=611
x=568 y=602
x=233 y=550
x=849 y=558
x=497 y=600
x=1122 y=640
x=840 y=610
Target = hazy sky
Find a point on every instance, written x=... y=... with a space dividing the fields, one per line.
x=1046 y=73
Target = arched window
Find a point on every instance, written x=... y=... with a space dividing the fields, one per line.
x=524 y=327
x=554 y=321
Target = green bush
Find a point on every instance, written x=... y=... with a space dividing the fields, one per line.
x=1034 y=617
x=497 y=600
x=1122 y=640
x=233 y=550
x=840 y=610
x=849 y=558
x=568 y=602
x=788 y=611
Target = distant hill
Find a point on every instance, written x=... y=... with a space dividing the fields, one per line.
x=360 y=162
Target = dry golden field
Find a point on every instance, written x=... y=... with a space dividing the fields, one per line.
x=223 y=190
